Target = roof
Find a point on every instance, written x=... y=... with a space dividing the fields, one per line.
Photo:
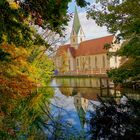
x=65 y=48
x=94 y=46
x=89 y=47
x=76 y=22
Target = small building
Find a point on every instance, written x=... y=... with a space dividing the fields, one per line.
x=86 y=57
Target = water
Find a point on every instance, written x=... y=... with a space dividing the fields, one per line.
x=75 y=98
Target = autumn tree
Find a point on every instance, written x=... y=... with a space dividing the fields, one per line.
x=24 y=69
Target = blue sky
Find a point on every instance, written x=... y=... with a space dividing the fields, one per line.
x=73 y=4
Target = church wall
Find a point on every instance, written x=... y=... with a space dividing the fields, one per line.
x=92 y=62
x=62 y=63
x=71 y=61
x=58 y=62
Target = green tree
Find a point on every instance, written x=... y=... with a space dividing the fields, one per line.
x=122 y=17
x=116 y=121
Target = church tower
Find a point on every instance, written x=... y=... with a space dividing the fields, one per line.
x=77 y=35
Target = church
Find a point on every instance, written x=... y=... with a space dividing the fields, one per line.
x=86 y=57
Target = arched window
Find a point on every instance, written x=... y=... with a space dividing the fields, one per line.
x=89 y=62
x=103 y=61
x=95 y=61
x=77 y=62
x=83 y=63
x=73 y=39
x=69 y=65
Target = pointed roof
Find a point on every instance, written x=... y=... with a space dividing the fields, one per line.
x=76 y=22
x=82 y=116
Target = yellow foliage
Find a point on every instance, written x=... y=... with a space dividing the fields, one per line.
x=13 y=5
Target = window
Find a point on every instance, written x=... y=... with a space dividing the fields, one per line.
x=69 y=64
x=83 y=63
x=77 y=62
x=81 y=39
x=103 y=61
x=95 y=62
x=73 y=39
x=89 y=62
x=77 y=100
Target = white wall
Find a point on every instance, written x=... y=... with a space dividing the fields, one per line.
x=115 y=60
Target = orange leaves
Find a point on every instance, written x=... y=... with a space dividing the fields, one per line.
x=16 y=87
x=14 y=79
x=17 y=54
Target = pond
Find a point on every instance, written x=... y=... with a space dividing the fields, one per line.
x=75 y=98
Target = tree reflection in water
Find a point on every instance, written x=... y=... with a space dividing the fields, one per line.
x=116 y=121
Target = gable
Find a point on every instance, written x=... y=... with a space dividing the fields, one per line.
x=65 y=49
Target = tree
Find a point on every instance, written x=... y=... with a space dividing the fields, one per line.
x=24 y=66
x=116 y=121
x=123 y=17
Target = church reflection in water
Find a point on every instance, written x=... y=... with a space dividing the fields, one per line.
x=82 y=91
x=81 y=105
x=90 y=88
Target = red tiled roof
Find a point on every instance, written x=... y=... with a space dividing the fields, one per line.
x=94 y=46
x=89 y=47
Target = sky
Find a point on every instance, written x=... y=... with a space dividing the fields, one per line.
x=90 y=28
x=73 y=4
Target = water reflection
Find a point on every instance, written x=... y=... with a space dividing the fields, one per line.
x=89 y=88
x=75 y=97
x=81 y=82
x=81 y=105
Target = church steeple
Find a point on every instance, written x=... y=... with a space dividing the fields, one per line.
x=77 y=34
x=76 y=22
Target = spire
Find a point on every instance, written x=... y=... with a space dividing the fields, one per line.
x=77 y=35
x=76 y=22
